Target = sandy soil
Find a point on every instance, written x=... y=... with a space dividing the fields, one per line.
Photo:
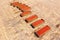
x=13 y=27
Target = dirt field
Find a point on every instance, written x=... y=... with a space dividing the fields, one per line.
x=13 y=27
